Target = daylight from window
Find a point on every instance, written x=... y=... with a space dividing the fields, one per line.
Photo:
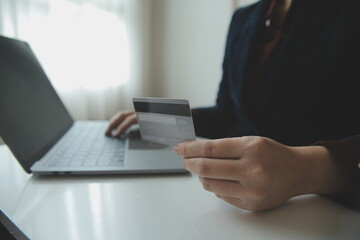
x=79 y=46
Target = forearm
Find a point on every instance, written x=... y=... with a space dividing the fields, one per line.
x=318 y=172
x=346 y=155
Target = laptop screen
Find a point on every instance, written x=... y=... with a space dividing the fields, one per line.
x=32 y=116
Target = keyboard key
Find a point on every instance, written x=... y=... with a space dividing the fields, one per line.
x=88 y=147
x=75 y=163
x=89 y=163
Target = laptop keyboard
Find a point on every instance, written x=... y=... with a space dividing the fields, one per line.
x=86 y=145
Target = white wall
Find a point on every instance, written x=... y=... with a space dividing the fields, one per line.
x=188 y=42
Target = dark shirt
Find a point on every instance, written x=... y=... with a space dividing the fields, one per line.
x=309 y=91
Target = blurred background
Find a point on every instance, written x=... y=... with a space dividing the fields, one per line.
x=99 y=54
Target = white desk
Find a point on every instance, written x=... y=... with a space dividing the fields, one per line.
x=155 y=207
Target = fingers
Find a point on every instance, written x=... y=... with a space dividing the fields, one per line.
x=220 y=148
x=214 y=168
x=130 y=120
x=232 y=192
x=233 y=201
x=252 y=206
x=117 y=119
x=222 y=187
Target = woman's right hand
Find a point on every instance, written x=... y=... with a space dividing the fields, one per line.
x=120 y=122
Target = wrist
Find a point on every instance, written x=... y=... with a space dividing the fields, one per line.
x=317 y=173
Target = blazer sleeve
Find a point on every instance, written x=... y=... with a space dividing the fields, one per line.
x=213 y=122
x=346 y=154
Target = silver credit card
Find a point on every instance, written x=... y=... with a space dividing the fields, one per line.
x=165 y=121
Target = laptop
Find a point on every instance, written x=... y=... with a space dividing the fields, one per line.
x=44 y=138
x=8 y=229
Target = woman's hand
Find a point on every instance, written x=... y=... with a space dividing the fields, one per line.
x=257 y=173
x=120 y=122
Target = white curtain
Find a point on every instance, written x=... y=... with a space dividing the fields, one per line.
x=93 y=51
x=242 y=3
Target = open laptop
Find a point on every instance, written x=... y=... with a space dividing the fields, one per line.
x=40 y=132
x=8 y=229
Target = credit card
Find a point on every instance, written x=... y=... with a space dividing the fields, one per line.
x=164 y=120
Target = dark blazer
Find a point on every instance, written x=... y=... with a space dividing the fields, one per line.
x=310 y=90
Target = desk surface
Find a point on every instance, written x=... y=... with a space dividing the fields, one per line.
x=155 y=207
